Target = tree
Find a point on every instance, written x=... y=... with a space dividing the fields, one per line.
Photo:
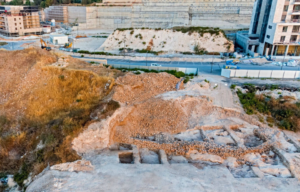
x=37 y=2
x=48 y=3
x=27 y=2
x=43 y=4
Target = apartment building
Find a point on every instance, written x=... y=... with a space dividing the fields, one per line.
x=274 y=29
x=19 y=20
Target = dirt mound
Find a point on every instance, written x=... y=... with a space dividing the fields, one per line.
x=135 y=88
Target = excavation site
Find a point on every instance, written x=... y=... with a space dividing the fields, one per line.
x=117 y=130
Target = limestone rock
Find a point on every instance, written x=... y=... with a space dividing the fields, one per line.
x=195 y=155
x=257 y=172
x=178 y=159
x=190 y=135
x=11 y=182
x=231 y=162
x=80 y=165
x=276 y=170
x=254 y=159
x=223 y=140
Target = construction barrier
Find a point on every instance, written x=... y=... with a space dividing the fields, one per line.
x=276 y=74
x=185 y=70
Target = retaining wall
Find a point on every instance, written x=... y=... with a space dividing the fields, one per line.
x=276 y=74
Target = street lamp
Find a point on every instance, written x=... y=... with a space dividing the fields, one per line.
x=124 y=45
x=283 y=60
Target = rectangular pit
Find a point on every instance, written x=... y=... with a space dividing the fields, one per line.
x=219 y=136
x=126 y=158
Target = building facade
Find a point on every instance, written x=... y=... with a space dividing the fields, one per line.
x=274 y=29
x=19 y=20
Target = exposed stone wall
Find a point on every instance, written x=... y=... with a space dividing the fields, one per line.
x=164 y=14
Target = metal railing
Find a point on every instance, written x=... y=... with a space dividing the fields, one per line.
x=287 y=42
x=296 y=11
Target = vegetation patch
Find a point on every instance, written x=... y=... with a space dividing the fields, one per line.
x=3 y=43
x=281 y=111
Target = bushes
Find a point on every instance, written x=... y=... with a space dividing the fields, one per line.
x=94 y=53
x=280 y=111
x=232 y=86
x=199 y=51
x=147 y=51
x=22 y=175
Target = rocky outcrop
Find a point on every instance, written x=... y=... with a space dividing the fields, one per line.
x=80 y=165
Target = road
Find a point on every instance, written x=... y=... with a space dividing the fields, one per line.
x=202 y=66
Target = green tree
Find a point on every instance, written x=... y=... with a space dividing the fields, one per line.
x=48 y=3
x=43 y=5
x=27 y=2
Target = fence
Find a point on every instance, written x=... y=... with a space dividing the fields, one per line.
x=185 y=70
x=277 y=74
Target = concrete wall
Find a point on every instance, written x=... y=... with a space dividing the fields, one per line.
x=278 y=74
x=225 y=14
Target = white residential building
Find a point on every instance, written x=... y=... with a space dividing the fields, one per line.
x=274 y=29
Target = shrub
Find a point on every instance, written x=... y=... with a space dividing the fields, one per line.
x=207 y=81
x=232 y=86
x=22 y=175
x=144 y=43
x=187 y=79
x=82 y=55
x=132 y=32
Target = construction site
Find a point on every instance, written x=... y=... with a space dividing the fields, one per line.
x=68 y=125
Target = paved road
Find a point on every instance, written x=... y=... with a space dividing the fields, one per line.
x=202 y=66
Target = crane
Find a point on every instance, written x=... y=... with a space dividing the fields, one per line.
x=68 y=45
x=44 y=45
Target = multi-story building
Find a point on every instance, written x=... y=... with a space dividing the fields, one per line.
x=274 y=29
x=19 y=20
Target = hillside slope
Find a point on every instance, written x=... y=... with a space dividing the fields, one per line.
x=167 y=40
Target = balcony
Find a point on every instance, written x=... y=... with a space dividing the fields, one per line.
x=296 y=12
x=292 y=21
x=287 y=43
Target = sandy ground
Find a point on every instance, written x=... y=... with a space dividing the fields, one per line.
x=164 y=40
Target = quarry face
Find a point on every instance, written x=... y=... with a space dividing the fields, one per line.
x=196 y=138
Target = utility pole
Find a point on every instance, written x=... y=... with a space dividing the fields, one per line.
x=212 y=64
x=147 y=58
x=283 y=60
x=124 y=45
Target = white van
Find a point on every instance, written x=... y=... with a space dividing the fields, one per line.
x=155 y=65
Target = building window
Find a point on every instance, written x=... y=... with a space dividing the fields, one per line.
x=19 y=18
x=16 y=29
x=15 y=24
x=15 y=19
x=284 y=29
x=268 y=36
x=296 y=29
x=283 y=17
x=270 y=27
x=282 y=38
x=293 y=38
x=20 y=27
x=285 y=8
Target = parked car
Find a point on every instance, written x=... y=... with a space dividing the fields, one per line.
x=155 y=65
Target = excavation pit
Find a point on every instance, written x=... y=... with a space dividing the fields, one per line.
x=149 y=157
x=220 y=137
x=126 y=157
